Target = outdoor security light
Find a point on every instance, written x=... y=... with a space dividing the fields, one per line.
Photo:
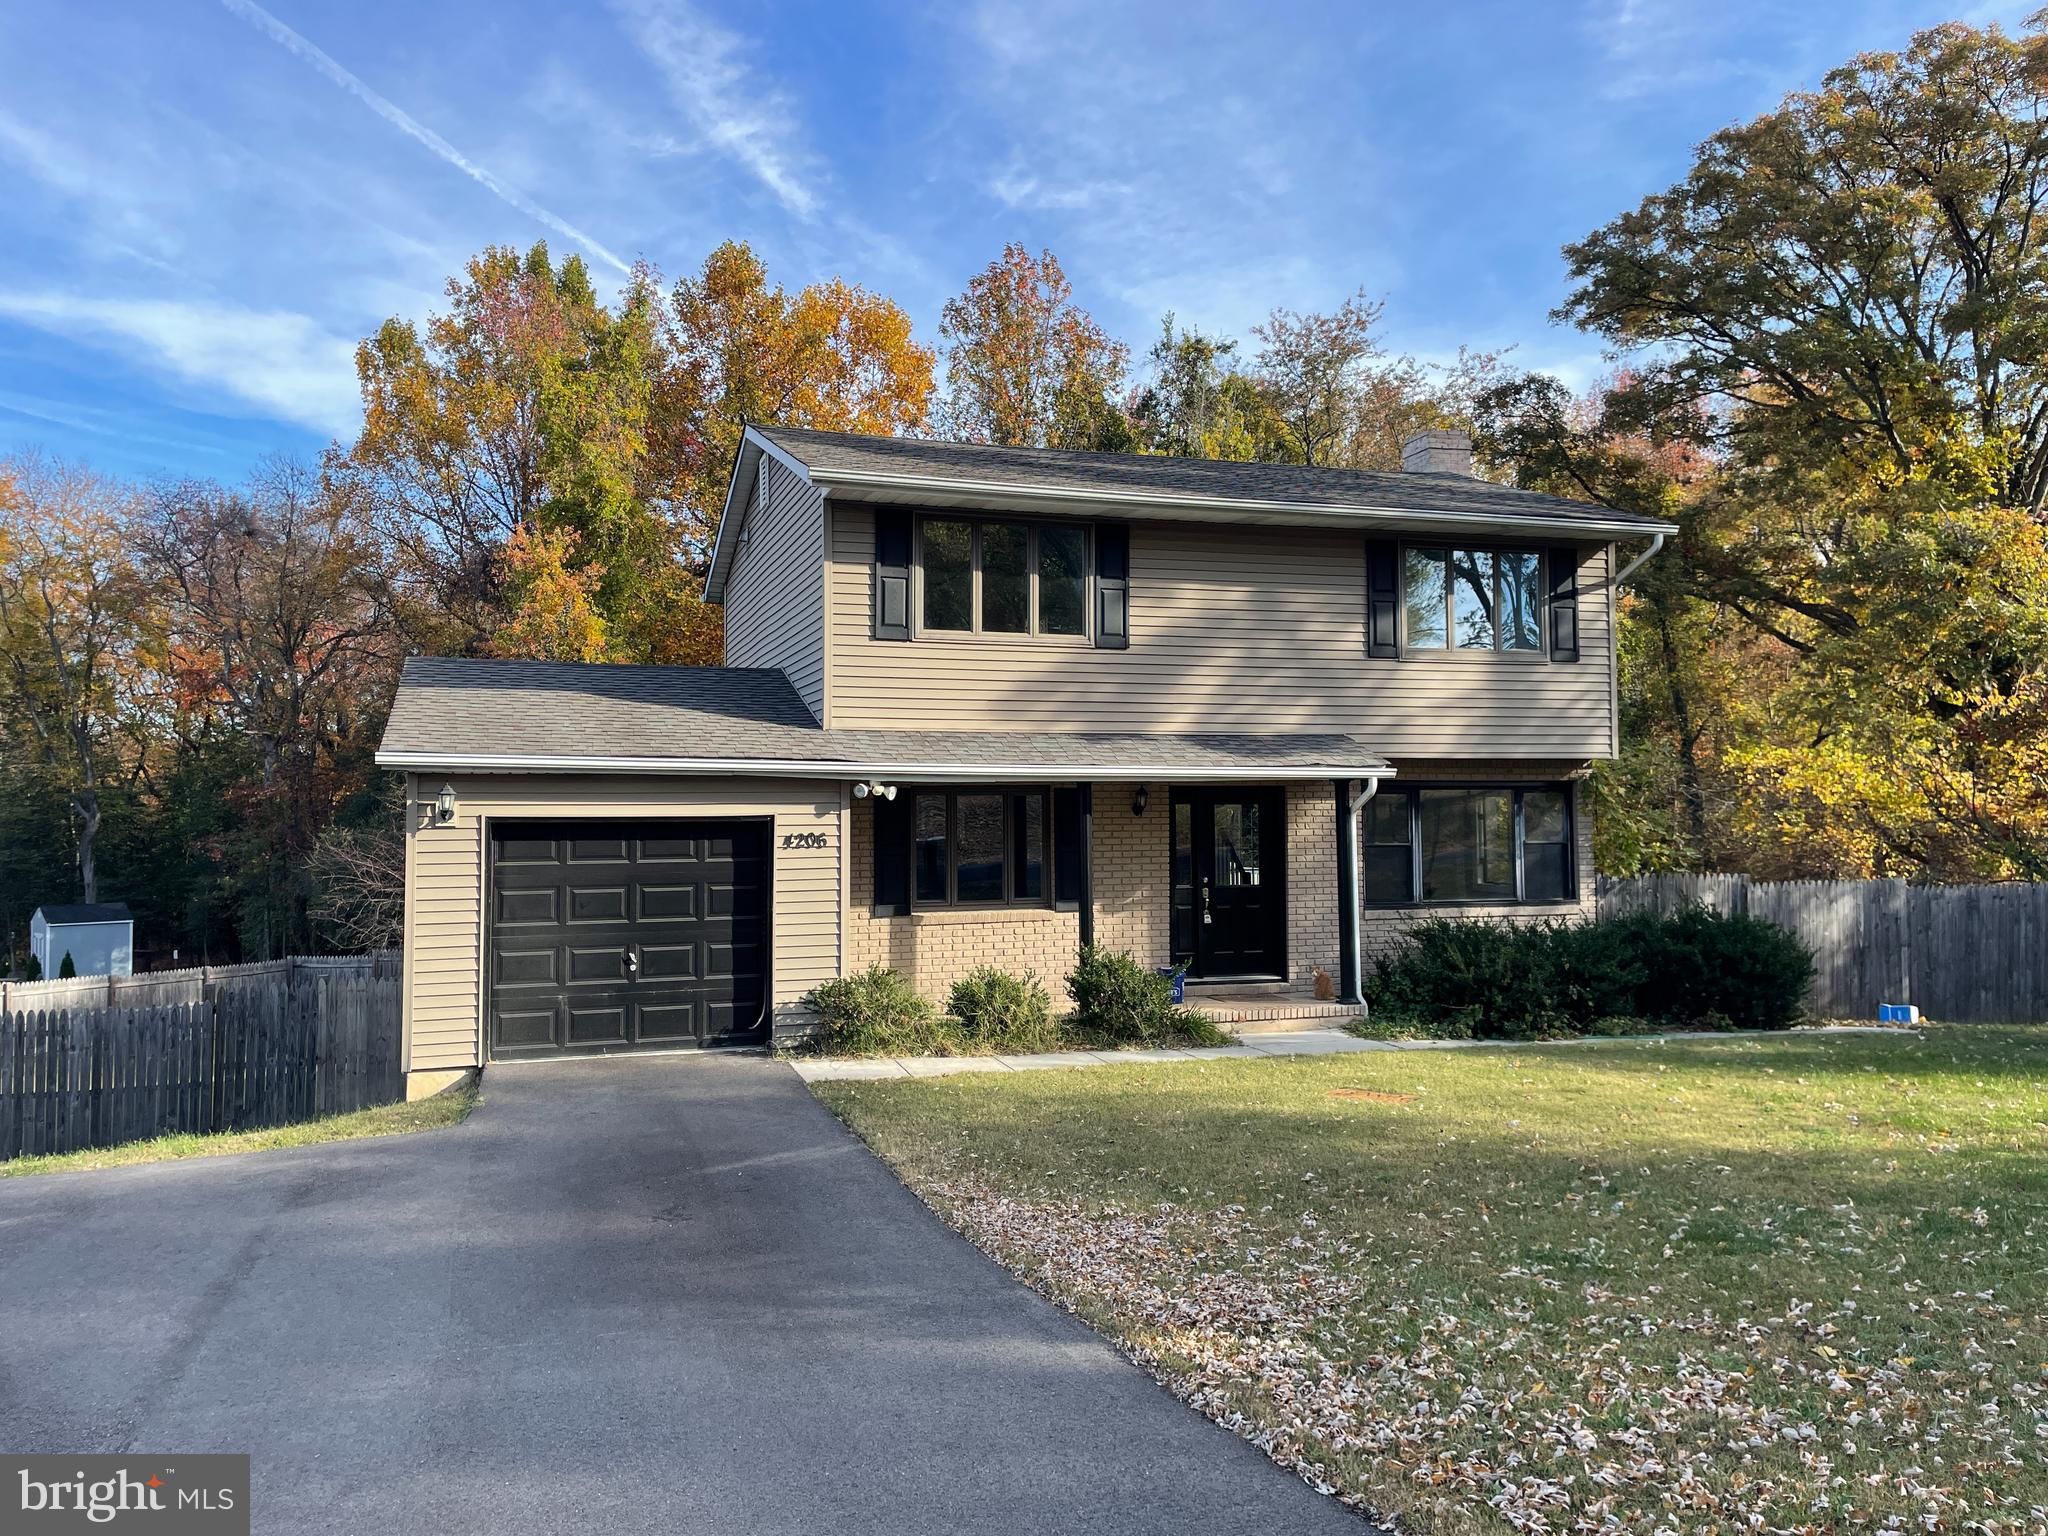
x=444 y=806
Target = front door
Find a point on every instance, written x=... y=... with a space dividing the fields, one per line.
x=1229 y=883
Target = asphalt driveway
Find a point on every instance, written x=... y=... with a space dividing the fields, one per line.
x=644 y=1295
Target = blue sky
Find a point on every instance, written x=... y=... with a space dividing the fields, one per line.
x=210 y=201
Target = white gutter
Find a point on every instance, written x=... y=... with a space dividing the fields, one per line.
x=1356 y=943
x=1183 y=502
x=912 y=773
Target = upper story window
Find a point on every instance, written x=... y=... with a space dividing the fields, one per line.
x=1002 y=578
x=1472 y=599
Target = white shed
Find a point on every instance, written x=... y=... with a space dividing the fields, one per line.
x=100 y=938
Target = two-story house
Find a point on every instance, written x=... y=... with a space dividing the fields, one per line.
x=986 y=705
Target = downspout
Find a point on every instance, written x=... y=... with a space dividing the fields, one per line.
x=1351 y=957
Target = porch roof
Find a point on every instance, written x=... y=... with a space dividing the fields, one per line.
x=457 y=715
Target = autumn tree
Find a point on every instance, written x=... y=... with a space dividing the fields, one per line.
x=276 y=637
x=1313 y=368
x=831 y=356
x=524 y=407
x=74 y=617
x=1198 y=404
x=1027 y=367
x=1845 y=301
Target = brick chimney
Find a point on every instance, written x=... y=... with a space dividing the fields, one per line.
x=1439 y=451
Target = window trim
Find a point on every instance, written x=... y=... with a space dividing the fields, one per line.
x=977 y=521
x=1410 y=651
x=1411 y=793
x=1009 y=794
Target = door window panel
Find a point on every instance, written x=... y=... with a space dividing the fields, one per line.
x=1027 y=815
x=1235 y=851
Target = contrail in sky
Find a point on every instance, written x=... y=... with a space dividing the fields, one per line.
x=404 y=121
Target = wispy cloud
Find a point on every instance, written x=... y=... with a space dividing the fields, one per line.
x=739 y=112
x=402 y=120
x=1019 y=188
x=285 y=364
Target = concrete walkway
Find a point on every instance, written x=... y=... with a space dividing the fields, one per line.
x=1306 y=1042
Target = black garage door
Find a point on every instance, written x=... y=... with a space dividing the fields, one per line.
x=610 y=936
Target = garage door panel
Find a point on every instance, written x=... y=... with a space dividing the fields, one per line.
x=589 y=965
x=597 y=1026
x=597 y=904
x=672 y=1022
x=513 y=851
x=572 y=901
x=523 y=1029
x=528 y=907
x=663 y=903
x=668 y=962
x=526 y=967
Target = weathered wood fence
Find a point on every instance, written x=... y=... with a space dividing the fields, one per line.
x=1969 y=953
x=195 y=984
x=253 y=1052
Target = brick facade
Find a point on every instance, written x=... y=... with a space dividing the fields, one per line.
x=1133 y=871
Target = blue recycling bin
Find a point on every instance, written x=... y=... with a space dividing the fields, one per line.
x=1178 y=975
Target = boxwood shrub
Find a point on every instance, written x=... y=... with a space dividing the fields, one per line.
x=1118 y=1002
x=1491 y=980
x=1001 y=1011
x=877 y=1012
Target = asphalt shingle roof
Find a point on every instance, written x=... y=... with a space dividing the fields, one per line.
x=84 y=912
x=459 y=709
x=1149 y=474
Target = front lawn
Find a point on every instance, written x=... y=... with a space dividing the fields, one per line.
x=449 y=1107
x=1799 y=1281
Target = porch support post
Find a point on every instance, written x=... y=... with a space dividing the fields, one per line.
x=1348 y=953
x=1087 y=803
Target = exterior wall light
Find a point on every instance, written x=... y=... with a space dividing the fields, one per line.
x=879 y=791
x=1138 y=800
x=444 y=805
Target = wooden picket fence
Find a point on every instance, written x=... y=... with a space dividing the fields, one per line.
x=194 y=984
x=245 y=1058
x=1968 y=953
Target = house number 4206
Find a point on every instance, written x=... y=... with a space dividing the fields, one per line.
x=803 y=839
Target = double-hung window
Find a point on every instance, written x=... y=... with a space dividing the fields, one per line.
x=1002 y=578
x=1468 y=844
x=1472 y=599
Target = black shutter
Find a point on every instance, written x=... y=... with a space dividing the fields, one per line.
x=892 y=855
x=1564 y=603
x=1113 y=586
x=1383 y=599
x=892 y=573
x=1066 y=849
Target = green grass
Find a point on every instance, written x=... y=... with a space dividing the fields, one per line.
x=1626 y=1285
x=448 y=1108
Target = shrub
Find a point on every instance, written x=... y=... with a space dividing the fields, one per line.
x=1120 y=1002
x=878 y=1013
x=1464 y=979
x=1705 y=969
x=1004 y=1011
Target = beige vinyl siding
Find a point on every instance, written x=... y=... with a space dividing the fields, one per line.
x=1232 y=629
x=775 y=594
x=445 y=877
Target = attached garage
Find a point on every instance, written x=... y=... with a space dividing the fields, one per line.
x=619 y=936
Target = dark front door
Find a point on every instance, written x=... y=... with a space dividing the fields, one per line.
x=1229 y=882
x=609 y=936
